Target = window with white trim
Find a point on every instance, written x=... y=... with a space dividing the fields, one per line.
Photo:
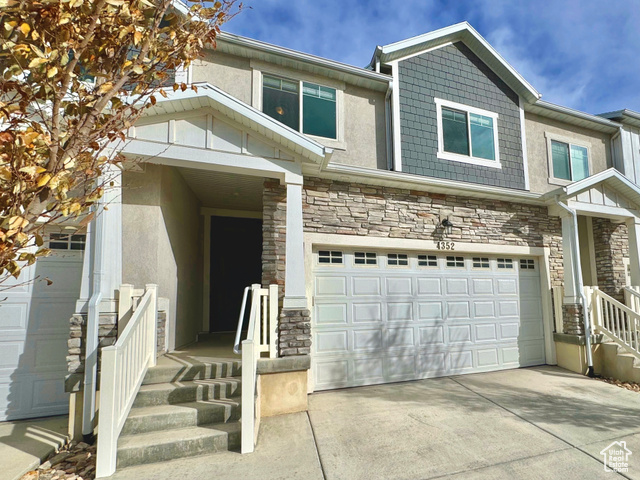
x=329 y=257
x=455 y=262
x=505 y=263
x=427 y=261
x=365 y=258
x=397 y=259
x=480 y=262
x=568 y=162
x=527 y=264
x=67 y=241
x=315 y=115
x=467 y=134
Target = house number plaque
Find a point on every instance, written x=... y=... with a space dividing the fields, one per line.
x=446 y=245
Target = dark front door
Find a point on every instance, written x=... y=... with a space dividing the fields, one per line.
x=236 y=262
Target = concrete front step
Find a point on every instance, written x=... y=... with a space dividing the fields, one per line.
x=183 y=392
x=155 y=447
x=176 y=371
x=619 y=365
x=192 y=414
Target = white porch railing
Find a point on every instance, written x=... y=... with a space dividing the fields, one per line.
x=261 y=337
x=123 y=368
x=616 y=321
x=632 y=298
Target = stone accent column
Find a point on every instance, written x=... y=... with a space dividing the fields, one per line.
x=633 y=227
x=611 y=245
x=274 y=228
x=294 y=332
x=572 y=319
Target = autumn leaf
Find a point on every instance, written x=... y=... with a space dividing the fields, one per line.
x=25 y=29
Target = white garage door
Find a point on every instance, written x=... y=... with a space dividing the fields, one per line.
x=34 y=328
x=390 y=316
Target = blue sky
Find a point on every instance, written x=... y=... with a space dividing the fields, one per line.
x=581 y=54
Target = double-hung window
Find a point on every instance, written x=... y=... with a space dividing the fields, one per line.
x=313 y=113
x=568 y=162
x=467 y=134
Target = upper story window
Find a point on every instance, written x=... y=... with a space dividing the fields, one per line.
x=65 y=241
x=467 y=134
x=315 y=115
x=568 y=162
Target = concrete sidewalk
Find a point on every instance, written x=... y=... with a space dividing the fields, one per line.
x=24 y=443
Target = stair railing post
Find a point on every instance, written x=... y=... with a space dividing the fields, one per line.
x=125 y=304
x=107 y=438
x=273 y=321
x=152 y=322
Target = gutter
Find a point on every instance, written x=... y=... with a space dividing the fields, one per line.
x=578 y=282
x=93 y=323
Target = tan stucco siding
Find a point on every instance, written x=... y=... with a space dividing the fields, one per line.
x=231 y=74
x=537 y=130
x=163 y=244
x=360 y=111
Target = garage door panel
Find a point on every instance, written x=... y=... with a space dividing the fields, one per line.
x=332 y=342
x=13 y=317
x=459 y=310
x=486 y=332
x=431 y=335
x=506 y=286
x=399 y=312
x=331 y=286
x=367 y=340
x=457 y=286
x=392 y=323
x=331 y=314
x=51 y=315
x=430 y=311
x=48 y=395
x=484 y=309
x=459 y=334
x=399 y=286
x=487 y=357
x=10 y=354
x=370 y=370
x=49 y=355
x=482 y=286
x=399 y=337
x=400 y=367
x=367 y=313
x=429 y=286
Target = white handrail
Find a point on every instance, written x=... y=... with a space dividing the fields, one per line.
x=632 y=298
x=236 y=343
x=124 y=366
x=615 y=320
x=262 y=319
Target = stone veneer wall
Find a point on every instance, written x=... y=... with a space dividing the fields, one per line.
x=611 y=244
x=366 y=210
x=107 y=335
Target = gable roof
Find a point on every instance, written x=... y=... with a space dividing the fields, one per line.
x=572 y=116
x=460 y=32
x=209 y=96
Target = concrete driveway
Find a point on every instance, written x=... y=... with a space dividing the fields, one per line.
x=536 y=423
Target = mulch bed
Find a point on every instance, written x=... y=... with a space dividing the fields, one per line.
x=74 y=461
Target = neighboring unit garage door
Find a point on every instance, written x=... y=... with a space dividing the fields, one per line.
x=34 y=328
x=391 y=316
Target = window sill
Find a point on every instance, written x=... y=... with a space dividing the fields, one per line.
x=328 y=142
x=473 y=161
x=559 y=181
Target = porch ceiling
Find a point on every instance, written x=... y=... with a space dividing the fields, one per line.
x=225 y=190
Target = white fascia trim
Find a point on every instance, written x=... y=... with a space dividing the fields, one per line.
x=427 y=50
x=209 y=91
x=523 y=134
x=455 y=157
x=458 y=28
x=395 y=122
x=436 y=185
x=577 y=113
x=302 y=57
x=610 y=173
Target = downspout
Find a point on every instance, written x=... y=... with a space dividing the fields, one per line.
x=93 y=321
x=389 y=126
x=577 y=275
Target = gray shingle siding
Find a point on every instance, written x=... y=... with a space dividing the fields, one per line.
x=456 y=74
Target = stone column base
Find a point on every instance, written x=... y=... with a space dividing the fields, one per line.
x=572 y=319
x=294 y=332
x=571 y=352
